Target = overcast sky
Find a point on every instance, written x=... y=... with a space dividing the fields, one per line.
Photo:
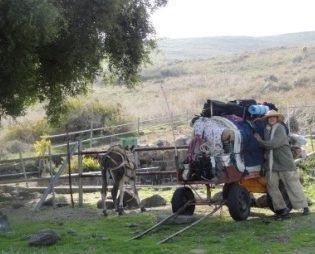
x=204 y=18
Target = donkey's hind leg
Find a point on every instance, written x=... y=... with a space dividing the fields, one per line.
x=121 y=197
x=114 y=192
x=136 y=195
x=104 y=192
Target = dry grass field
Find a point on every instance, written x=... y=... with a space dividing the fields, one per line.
x=283 y=76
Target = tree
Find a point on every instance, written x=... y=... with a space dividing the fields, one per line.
x=51 y=49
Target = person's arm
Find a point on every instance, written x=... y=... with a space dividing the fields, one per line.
x=279 y=139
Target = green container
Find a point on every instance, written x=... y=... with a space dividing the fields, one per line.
x=129 y=141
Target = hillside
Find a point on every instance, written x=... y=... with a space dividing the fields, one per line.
x=203 y=48
x=283 y=75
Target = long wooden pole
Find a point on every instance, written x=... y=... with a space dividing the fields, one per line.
x=52 y=176
x=69 y=172
x=23 y=168
x=80 y=174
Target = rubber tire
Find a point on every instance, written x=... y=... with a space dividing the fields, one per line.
x=284 y=195
x=180 y=197
x=238 y=201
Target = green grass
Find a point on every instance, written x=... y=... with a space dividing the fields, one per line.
x=260 y=233
x=219 y=234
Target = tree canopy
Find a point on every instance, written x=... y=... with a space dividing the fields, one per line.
x=51 y=49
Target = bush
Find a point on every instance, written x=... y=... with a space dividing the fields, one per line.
x=79 y=115
x=302 y=82
x=308 y=167
x=73 y=165
x=90 y=164
x=28 y=132
x=17 y=146
x=163 y=72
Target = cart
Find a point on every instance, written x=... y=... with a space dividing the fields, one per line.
x=227 y=169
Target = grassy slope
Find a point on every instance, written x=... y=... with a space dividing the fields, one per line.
x=187 y=86
x=219 y=234
x=94 y=233
x=284 y=76
x=216 y=235
x=231 y=68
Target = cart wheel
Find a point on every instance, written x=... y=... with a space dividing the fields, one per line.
x=284 y=195
x=180 y=197
x=238 y=202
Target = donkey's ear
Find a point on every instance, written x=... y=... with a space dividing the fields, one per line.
x=126 y=147
x=132 y=148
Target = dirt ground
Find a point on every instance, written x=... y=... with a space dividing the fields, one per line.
x=20 y=206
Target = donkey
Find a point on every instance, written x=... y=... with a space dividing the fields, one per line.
x=122 y=170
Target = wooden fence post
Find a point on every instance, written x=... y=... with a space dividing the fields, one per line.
x=23 y=168
x=311 y=139
x=138 y=125
x=288 y=114
x=51 y=175
x=55 y=179
x=80 y=173
x=91 y=134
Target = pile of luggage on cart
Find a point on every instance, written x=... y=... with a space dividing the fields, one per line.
x=224 y=150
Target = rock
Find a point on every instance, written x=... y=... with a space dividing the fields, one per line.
x=129 y=201
x=60 y=201
x=5 y=197
x=71 y=231
x=153 y=201
x=17 y=205
x=217 y=198
x=44 y=237
x=161 y=143
x=26 y=194
x=261 y=201
x=182 y=141
x=109 y=204
x=180 y=219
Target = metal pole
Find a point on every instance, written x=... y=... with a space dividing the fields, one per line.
x=23 y=168
x=138 y=125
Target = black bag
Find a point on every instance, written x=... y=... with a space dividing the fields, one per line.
x=219 y=108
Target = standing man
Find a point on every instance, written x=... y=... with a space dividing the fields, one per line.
x=280 y=165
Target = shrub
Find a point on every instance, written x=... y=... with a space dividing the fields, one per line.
x=301 y=82
x=41 y=146
x=73 y=165
x=272 y=78
x=88 y=164
x=78 y=115
x=91 y=164
x=28 y=132
x=17 y=146
x=163 y=72
x=297 y=59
